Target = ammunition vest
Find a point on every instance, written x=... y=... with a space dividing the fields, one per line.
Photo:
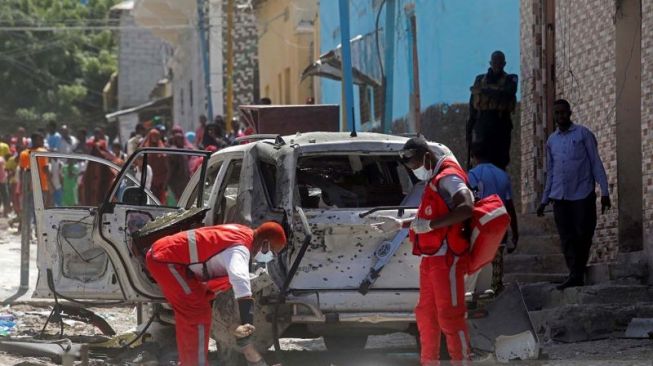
x=485 y=102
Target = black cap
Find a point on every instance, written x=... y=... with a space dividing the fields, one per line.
x=416 y=146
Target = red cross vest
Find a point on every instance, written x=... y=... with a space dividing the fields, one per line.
x=433 y=206
x=200 y=245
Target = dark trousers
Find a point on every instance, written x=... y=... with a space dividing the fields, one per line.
x=576 y=221
x=5 y=201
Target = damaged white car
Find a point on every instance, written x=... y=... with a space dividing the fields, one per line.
x=338 y=278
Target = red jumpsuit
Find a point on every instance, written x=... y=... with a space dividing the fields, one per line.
x=168 y=262
x=441 y=306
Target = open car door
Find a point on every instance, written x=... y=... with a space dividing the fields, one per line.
x=129 y=209
x=87 y=210
x=67 y=190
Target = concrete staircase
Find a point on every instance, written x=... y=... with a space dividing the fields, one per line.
x=576 y=314
x=538 y=257
x=586 y=313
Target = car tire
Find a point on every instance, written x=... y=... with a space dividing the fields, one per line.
x=345 y=343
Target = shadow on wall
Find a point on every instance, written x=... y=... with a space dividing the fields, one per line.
x=445 y=123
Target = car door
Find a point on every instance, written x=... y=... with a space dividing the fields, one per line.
x=67 y=190
x=218 y=167
x=126 y=209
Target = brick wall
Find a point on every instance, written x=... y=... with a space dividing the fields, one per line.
x=585 y=75
x=141 y=63
x=245 y=41
x=530 y=61
x=647 y=125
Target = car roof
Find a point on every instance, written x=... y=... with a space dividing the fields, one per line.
x=323 y=138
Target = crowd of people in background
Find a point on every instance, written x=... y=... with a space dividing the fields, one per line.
x=75 y=182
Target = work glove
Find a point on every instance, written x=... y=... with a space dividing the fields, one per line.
x=386 y=224
x=421 y=226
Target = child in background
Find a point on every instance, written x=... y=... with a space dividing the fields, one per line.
x=486 y=179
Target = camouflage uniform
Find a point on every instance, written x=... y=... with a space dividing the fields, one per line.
x=493 y=99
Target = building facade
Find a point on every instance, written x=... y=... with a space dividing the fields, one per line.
x=603 y=52
x=454 y=43
x=176 y=22
x=286 y=47
x=142 y=59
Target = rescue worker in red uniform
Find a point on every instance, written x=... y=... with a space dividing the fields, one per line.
x=183 y=263
x=438 y=238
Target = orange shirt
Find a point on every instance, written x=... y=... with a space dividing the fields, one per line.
x=42 y=163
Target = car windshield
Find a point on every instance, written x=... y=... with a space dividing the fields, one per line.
x=351 y=181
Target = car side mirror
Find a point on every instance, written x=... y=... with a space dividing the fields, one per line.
x=134 y=196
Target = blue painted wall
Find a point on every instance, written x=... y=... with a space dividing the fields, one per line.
x=455 y=40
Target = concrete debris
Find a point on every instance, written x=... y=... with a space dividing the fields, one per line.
x=640 y=328
x=522 y=346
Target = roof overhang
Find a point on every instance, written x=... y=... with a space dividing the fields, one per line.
x=139 y=108
x=329 y=66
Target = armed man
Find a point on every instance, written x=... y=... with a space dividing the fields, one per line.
x=493 y=99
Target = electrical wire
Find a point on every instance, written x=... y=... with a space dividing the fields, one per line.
x=378 y=46
x=92 y=28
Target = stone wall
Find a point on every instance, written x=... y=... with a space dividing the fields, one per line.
x=647 y=126
x=445 y=123
x=141 y=62
x=245 y=41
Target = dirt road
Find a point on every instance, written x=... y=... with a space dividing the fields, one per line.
x=394 y=349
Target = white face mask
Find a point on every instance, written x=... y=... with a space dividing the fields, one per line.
x=422 y=173
x=264 y=258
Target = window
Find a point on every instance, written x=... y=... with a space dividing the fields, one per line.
x=280 y=89
x=158 y=176
x=190 y=92
x=74 y=182
x=211 y=175
x=226 y=201
x=351 y=181
x=181 y=101
x=286 y=86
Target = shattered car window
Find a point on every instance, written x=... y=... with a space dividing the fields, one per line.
x=351 y=181
x=226 y=202
x=209 y=180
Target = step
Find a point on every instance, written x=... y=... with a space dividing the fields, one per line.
x=577 y=323
x=538 y=244
x=538 y=296
x=530 y=224
x=529 y=277
x=534 y=263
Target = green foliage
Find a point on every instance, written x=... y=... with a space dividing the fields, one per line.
x=58 y=74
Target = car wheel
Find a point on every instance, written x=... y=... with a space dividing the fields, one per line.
x=345 y=343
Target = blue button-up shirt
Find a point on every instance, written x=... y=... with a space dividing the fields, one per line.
x=573 y=165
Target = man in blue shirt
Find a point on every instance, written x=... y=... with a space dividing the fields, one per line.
x=53 y=138
x=573 y=169
x=487 y=179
